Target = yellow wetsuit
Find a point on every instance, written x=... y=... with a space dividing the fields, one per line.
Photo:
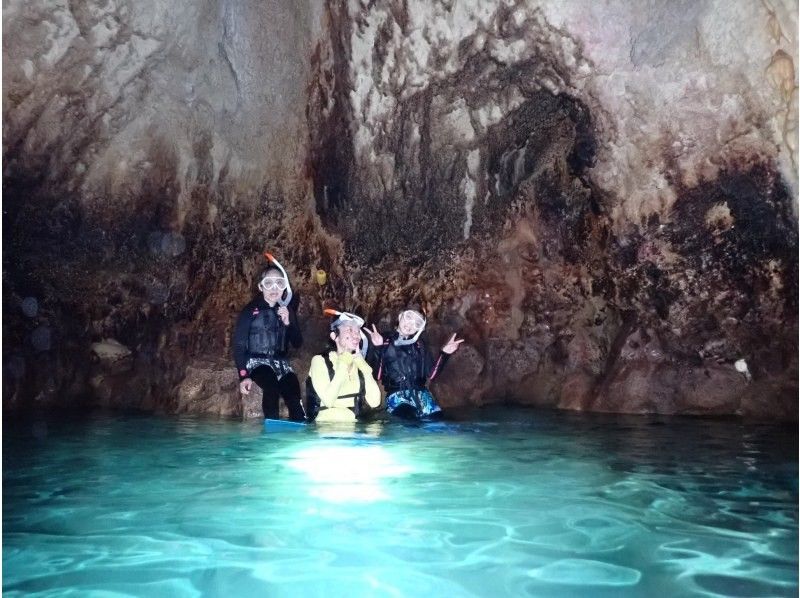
x=345 y=382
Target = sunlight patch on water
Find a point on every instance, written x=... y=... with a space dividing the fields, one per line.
x=348 y=473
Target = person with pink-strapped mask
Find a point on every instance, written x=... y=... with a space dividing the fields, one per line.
x=404 y=365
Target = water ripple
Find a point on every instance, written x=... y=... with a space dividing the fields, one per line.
x=544 y=505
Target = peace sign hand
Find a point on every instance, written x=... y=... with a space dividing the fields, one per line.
x=452 y=345
x=375 y=336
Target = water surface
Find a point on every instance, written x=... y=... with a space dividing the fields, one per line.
x=507 y=503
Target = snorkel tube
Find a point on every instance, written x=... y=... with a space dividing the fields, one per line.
x=344 y=316
x=399 y=342
x=286 y=297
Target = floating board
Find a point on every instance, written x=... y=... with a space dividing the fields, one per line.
x=283 y=424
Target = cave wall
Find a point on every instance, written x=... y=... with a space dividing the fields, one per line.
x=106 y=98
x=600 y=197
x=152 y=150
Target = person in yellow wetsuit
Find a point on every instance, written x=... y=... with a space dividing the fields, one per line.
x=340 y=385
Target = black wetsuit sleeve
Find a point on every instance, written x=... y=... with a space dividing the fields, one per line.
x=375 y=356
x=433 y=368
x=241 y=334
x=293 y=330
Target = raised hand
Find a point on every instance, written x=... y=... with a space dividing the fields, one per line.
x=375 y=336
x=361 y=364
x=452 y=345
x=283 y=313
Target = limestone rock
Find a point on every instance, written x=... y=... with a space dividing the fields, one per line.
x=42 y=338
x=30 y=307
x=462 y=381
x=210 y=387
x=608 y=214
x=110 y=350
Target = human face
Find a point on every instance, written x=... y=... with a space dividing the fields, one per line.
x=272 y=286
x=409 y=323
x=348 y=339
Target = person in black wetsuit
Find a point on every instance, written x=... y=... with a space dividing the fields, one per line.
x=264 y=330
x=404 y=365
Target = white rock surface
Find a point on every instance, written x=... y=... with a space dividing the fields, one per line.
x=120 y=97
x=679 y=88
x=110 y=350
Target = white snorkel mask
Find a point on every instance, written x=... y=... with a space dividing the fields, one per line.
x=343 y=316
x=268 y=281
x=418 y=319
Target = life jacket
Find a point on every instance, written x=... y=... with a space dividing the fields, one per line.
x=314 y=403
x=403 y=367
x=267 y=334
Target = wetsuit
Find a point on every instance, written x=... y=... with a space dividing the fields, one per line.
x=338 y=392
x=405 y=371
x=260 y=349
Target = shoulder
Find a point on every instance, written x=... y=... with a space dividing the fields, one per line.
x=318 y=367
x=254 y=303
x=321 y=358
x=247 y=310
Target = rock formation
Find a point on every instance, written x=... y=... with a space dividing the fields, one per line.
x=602 y=198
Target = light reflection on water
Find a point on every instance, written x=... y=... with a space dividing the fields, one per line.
x=512 y=503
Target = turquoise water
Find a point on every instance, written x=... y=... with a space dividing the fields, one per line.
x=511 y=503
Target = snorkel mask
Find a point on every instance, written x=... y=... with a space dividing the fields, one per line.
x=346 y=318
x=419 y=321
x=272 y=281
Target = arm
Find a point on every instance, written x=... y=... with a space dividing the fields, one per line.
x=375 y=356
x=434 y=368
x=372 y=394
x=240 y=342
x=376 y=347
x=447 y=350
x=327 y=389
